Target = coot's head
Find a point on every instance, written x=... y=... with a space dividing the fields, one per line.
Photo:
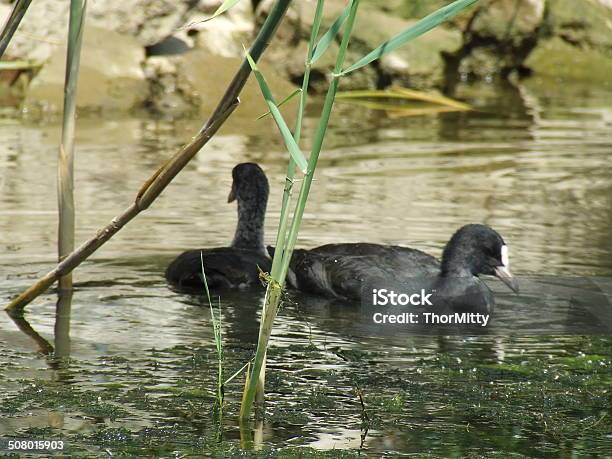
x=250 y=184
x=478 y=249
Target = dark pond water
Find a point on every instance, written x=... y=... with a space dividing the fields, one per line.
x=136 y=372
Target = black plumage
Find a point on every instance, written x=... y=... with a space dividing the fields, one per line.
x=344 y=270
x=236 y=266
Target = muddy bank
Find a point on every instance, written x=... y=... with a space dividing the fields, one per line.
x=159 y=56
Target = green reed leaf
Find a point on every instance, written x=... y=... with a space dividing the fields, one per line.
x=282 y=102
x=418 y=29
x=290 y=143
x=226 y=5
x=329 y=36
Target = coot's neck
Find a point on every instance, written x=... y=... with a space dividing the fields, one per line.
x=250 y=228
x=451 y=269
x=456 y=259
x=461 y=291
x=453 y=278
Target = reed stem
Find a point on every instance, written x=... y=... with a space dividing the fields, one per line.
x=281 y=236
x=12 y=23
x=274 y=290
x=271 y=304
x=284 y=218
x=318 y=140
x=65 y=164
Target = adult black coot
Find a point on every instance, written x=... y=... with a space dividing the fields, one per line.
x=344 y=270
x=235 y=266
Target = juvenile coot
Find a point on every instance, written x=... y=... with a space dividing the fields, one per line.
x=235 y=266
x=343 y=270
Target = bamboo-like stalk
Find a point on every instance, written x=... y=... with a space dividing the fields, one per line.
x=289 y=180
x=284 y=218
x=270 y=308
x=11 y=24
x=154 y=186
x=65 y=163
x=62 y=323
x=274 y=290
x=318 y=140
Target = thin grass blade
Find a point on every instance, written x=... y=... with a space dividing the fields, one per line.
x=238 y=372
x=282 y=102
x=11 y=24
x=219 y=327
x=245 y=390
x=424 y=25
x=328 y=37
x=205 y=281
x=226 y=5
x=290 y=143
x=215 y=321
